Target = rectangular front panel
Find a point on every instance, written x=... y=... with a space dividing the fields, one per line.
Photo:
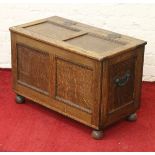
x=33 y=68
x=74 y=85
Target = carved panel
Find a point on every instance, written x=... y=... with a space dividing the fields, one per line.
x=74 y=85
x=33 y=68
x=121 y=84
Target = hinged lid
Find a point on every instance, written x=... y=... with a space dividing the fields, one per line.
x=77 y=37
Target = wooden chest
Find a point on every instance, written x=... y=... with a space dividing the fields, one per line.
x=88 y=74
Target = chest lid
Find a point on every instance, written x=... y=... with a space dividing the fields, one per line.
x=77 y=37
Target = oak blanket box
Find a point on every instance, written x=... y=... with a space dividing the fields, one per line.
x=88 y=74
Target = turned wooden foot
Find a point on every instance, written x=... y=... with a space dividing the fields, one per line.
x=20 y=99
x=132 y=117
x=97 y=134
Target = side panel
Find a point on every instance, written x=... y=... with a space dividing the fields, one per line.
x=121 y=88
x=122 y=76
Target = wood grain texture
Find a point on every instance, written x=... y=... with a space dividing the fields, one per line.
x=104 y=94
x=138 y=75
x=96 y=81
x=120 y=101
x=121 y=95
x=55 y=105
x=74 y=85
x=43 y=30
x=55 y=30
x=33 y=68
x=53 y=51
x=14 y=60
x=97 y=43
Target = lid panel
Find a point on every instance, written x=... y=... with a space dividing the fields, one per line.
x=96 y=43
x=52 y=30
x=77 y=37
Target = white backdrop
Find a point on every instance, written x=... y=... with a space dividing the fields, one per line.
x=137 y=20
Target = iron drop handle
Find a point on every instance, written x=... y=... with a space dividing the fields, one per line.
x=121 y=81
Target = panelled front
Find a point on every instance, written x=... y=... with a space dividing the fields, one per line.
x=64 y=83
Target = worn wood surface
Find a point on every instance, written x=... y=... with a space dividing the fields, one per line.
x=88 y=74
x=74 y=85
x=78 y=38
x=33 y=68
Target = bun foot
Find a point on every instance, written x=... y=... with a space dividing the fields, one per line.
x=97 y=134
x=20 y=99
x=132 y=117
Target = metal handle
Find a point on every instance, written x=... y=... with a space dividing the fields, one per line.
x=121 y=81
